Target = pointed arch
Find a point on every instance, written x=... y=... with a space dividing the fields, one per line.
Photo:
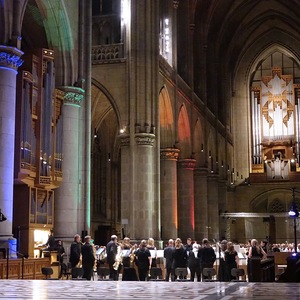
x=211 y=149
x=60 y=38
x=184 y=133
x=166 y=119
x=198 y=143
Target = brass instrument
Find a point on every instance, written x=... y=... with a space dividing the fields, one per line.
x=119 y=258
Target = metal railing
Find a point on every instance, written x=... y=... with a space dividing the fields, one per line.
x=107 y=53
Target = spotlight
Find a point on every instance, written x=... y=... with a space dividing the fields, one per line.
x=294 y=213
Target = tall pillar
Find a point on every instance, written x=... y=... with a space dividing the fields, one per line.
x=67 y=198
x=9 y=63
x=222 y=208
x=201 y=214
x=168 y=192
x=213 y=206
x=139 y=144
x=126 y=183
x=144 y=207
x=185 y=188
x=138 y=180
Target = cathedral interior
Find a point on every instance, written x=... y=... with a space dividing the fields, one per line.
x=148 y=118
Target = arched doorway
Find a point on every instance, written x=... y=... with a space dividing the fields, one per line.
x=105 y=188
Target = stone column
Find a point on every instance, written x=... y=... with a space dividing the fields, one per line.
x=222 y=208
x=185 y=188
x=9 y=63
x=201 y=215
x=168 y=192
x=139 y=205
x=144 y=207
x=213 y=206
x=126 y=185
x=67 y=199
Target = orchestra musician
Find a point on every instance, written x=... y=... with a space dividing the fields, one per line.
x=50 y=244
x=111 y=251
x=75 y=251
x=126 y=258
x=88 y=258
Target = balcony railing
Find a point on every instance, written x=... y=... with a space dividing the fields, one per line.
x=112 y=53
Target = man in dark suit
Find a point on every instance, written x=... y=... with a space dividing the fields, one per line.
x=75 y=251
x=88 y=258
x=206 y=256
x=111 y=251
x=168 y=253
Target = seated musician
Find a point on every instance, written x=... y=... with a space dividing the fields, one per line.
x=50 y=244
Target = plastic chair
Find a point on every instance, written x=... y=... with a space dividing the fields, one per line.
x=181 y=274
x=102 y=273
x=156 y=274
x=77 y=274
x=237 y=273
x=66 y=270
x=209 y=273
x=47 y=272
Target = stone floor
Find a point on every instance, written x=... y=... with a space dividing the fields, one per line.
x=68 y=289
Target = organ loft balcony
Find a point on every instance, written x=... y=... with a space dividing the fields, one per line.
x=108 y=31
x=280 y=163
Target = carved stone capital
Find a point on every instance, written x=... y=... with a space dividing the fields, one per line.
x=73 y=95
x=201 y=172
x=124 y=140
x=169 y=154
x=10 y=57
x=187 y=163
x=175 y=3
x=213 y=178
x=145 y=139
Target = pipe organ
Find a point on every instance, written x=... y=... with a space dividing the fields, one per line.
x=275 y=122
x=38 y=148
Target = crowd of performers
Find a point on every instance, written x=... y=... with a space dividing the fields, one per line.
x=135 y=261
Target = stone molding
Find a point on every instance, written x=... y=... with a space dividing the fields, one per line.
x=10 y=57
x=201 y=172
x=188 y=164
x=124 y=140
x=175 y=3
x=169 y=154
x=145 y=139
x=73 y=95
x=213 y=178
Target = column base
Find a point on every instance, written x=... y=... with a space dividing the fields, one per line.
x=8 y=246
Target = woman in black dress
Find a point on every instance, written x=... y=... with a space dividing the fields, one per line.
x=255 y=252
x=179 y=256
x=143 y=260
x=151 y=246
x=231 y=260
